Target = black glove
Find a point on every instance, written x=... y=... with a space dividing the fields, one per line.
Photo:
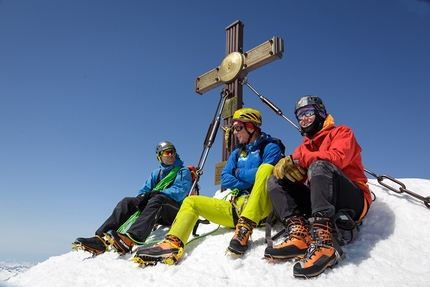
x=140 y=201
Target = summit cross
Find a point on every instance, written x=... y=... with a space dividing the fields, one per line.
x=233 y=69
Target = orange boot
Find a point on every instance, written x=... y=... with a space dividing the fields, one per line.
x=168 y=252
x=239 y=242
x=296 y=243
x=321 y=252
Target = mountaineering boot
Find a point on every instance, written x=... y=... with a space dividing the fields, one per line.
x=321 y=252
x=239 y=242
x=168 y=252
x=296 y=243
x=95 y=245
x=122 y=243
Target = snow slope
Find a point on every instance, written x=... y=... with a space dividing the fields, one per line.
x=392 y=250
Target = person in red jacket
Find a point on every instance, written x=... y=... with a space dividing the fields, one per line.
x=325 y=174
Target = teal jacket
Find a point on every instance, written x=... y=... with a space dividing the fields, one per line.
x=180 y=187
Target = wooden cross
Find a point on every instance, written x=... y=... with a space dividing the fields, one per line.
x=234 y=68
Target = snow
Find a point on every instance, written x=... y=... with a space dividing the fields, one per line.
x=10 y=268
x=392 y=250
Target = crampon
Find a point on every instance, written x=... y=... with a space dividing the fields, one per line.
x=232 y=253
x=79 y=246
x=142 y=261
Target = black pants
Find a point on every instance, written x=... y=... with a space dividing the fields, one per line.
x=330 y=190
x=160 y=209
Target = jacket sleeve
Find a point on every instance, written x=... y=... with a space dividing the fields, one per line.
x=228 y=179
x=180 y=187
x=339 y=147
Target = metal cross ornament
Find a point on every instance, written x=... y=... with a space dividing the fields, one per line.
x=234 y=68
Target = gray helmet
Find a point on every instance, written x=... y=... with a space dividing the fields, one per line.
x=162 y=146
x=310 y=100
x=320 y=114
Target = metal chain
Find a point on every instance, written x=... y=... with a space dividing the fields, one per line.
x=380 y=178
x=401 y=189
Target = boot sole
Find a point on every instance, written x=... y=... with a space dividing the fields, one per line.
x=330 y=264
x=272 y=258
x=153 y=261
x=234 y=252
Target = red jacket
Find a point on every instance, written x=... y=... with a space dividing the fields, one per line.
x=338 y=146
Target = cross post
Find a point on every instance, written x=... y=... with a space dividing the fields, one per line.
x=233 y=69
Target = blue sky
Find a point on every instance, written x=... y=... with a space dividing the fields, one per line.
x=88 y=89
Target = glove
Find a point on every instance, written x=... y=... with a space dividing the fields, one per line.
x=140 y=201
x=295 y=173
x=286 y=167
x=282 y=166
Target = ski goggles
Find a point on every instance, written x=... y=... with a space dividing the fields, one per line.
x=168 y=152
x=308 y=113
x=238 y=128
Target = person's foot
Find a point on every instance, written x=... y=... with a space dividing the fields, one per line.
x=168 y=252
x=239 y=242
x=321 y=253
x=295 y=245
x=122 y=243
x=95 y=245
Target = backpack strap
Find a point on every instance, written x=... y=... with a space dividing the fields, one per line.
x=262 y=147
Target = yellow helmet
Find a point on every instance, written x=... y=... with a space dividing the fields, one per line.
x=248 y=115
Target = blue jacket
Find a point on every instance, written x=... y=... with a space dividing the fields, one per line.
x=239 y=172
x=180 y=187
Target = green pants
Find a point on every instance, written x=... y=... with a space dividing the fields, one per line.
x=255 y=207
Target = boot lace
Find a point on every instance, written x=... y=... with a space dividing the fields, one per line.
x=243 y=232
x=296 y=228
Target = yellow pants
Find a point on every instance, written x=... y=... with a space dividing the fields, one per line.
x=219 y=211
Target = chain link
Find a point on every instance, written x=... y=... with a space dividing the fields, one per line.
x=401 y=189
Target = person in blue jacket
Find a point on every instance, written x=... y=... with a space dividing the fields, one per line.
x=158 y=202
x=246 y=171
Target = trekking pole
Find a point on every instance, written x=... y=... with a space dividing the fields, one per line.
x=269 y=104
x=210 y=136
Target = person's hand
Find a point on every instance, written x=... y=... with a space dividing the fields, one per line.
x=295 y=173
x=282 y=166
x=286 y=167
x=235 y=172
x=140 y=201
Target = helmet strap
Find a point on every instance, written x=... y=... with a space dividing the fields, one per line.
x=256 y=129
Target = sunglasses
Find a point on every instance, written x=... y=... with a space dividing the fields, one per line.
x=168 y=152
x=238 y=128
x=308 y=114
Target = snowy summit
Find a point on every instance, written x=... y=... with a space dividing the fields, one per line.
x=391 y=250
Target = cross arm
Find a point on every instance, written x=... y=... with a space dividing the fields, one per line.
x=255 y=58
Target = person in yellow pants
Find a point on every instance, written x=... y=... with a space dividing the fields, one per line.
x=246 y=171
